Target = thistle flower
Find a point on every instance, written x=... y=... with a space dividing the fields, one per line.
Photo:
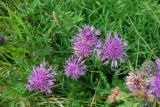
x=88 y=34
x=149 y=68
x=135 y=82
x=116 y=91
x=85 y=41
x=113 y=49
x=154 y=81
x=154 y=87
x=75 y=68
x=41 y=79
x=82 y=49
x=115 y=95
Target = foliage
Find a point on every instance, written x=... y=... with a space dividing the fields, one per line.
x=37 y=30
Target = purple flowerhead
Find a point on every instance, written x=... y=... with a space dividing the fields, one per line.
x=75 y=68
x=149 y=68
x=88 y=34
x=113 y=49
x=135 y=81
x=82 y=49
x=41 y=79
x=154 y=85
x=85 y=41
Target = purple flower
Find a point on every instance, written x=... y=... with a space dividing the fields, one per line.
x=41 y=79
x=135 y=82
x=82 y=49
x=75 y=68
x=85 y=41
x=149 y=68
x=154 y=85
x=88 y=34
x=113 y=49
x=154 y=80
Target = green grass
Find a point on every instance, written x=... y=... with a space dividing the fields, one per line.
x=37 y=30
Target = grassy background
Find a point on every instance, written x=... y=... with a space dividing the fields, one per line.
x=37 y=30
